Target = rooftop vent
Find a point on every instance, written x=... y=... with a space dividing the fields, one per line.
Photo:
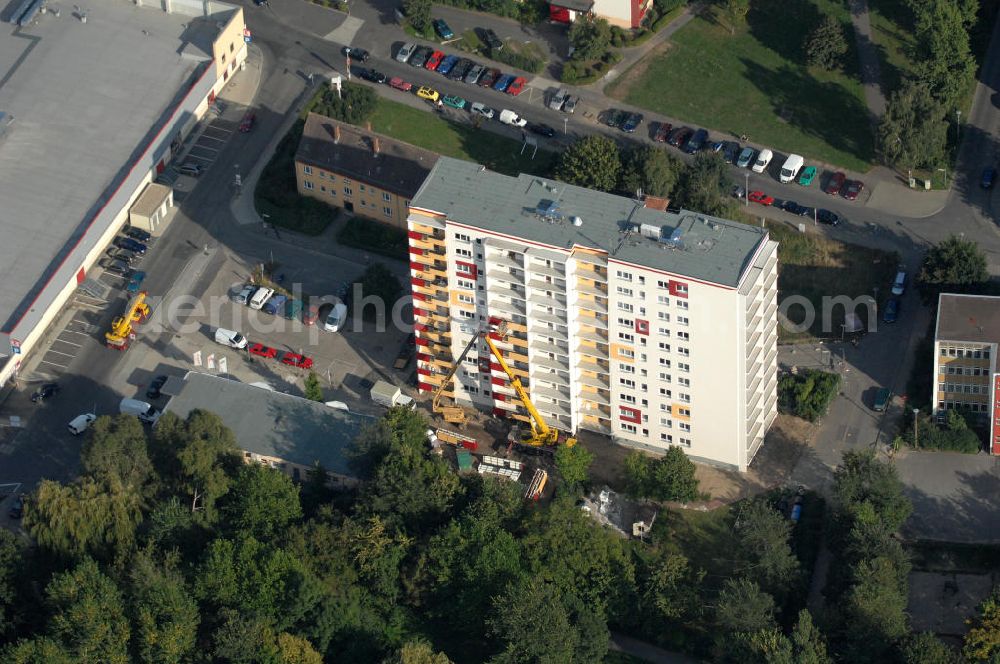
x=650 y=231
x=675 y=238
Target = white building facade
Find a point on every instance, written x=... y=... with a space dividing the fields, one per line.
x=609 y=337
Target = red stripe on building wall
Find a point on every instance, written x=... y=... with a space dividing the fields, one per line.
x=633 y=415
x=423 y=357
x=472 y=271
x=416 y=251
x=420 y=297
x=498 y=381
x=416 y=267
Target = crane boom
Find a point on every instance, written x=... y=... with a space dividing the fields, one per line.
x=538 y=425
x=454 y=413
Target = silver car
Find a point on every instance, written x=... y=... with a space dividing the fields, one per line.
x=472 y=77
x=482 y=109
x=569 y=106
x=558 y=99
x=405 y=51
x=746 y=158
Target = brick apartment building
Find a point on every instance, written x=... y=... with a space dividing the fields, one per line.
x=965 y=358
x=365 y=173
x=658 y=329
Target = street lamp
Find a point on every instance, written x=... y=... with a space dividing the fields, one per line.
x=945 y=170
x=565 y=125
x=746 y=189
x=916 y=411
x=958 y=125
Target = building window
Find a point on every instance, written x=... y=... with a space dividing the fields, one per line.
x=683 y=351
x=664 y=392
x=627 y=382
x=465 y=253
x=664 y=316
x=684 y=412
x=684 y=426
x=642 y=326
x=663 y=299
x=665 y=377
x=631 y=428
x=322 y=188
x=308 y=170
x=666 y=438
x=466 y=314
x=322 y=175
x=386 y=197
x=627 y=368
x=231 y=47
x=683 y=336
x=663 y=284
x=362 y=187
x=626 y=337
x=387 y=211
x=681 y=304
x=306 y=184
x=682 y=320
x=624 y=276
x=462 y=238
x=625 y=306
x=462 y=283
x=685 y=442
x=664 y=332
x=348 y=191
x=664 y=346
x=625 y=322
x=627 y=398
x=467 y=299
x=626 y=352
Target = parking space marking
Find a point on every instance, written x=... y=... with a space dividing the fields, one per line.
x=200 y=158
x=61 y=366
x=59 y=339
x=59 y=352
x=209 y=138
x=82 y=334
x=199 y=146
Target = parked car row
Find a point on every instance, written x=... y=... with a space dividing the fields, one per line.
x=821 y=215
x=504 y=116
x=459 y=69
x=266 y=299
x=124 y=254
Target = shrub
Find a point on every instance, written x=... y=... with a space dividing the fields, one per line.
x=954 y=435
x=354 y=105
x=808 y=393
x=374 y=237
x=523 y=61
x=670 y=477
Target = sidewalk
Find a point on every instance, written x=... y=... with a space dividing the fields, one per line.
x=871 y=70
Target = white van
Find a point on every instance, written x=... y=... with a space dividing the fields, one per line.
x=791 y=168
x=763 y=159
x=335 y=319
x=145 y=412
x=79 y=424
x=511 y=118
x=260 y=298
x=230 y=338
x=899 y=283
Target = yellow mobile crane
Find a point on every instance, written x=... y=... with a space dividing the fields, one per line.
x=541 y=435
x=121 y=333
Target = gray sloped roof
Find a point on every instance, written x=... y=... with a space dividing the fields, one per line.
x=546 y=211
x=273 y=424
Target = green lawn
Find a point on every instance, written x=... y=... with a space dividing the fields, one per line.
x=706 y=538
x=429 y=130
x=893 y=37
x=815 y=267
x=752 y=83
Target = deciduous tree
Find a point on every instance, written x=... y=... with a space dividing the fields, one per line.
x=11 y=555
x=705 y=186
x=313 y=388
x=262 y=503
x=592 y=162
x=736 y=13
x=590 y=37
x=418 y=13
x=860 y=479
x=88 y=615
x=763 y=536
x=116 y=452
x=826 y=45
x=982 y=642
x=955 y=265
x=927 y=648
x=417 y=652
x=944 y=58
x=163 y=613
x=913 y=132
x=573 y=463
x=653 y=170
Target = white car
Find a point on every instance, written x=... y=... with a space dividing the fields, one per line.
x=335 y=319
x=80 y=423
x=482 y=109
x=260 y=298
x=511 y=118
x=763 y=159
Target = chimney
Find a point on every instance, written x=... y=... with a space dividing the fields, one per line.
x=336 y=133
x=376 y=145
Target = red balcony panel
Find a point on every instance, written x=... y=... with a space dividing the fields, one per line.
x=641 y=326
x=420 y=297
x=421 y=342
x=417 y=281
x=416 y=266
x=470 y=271
x=498 y=381
x=415 y=235
x=424 y=372
x=424 y=387
x=500 y=412
x=419 y=327
x=633 y=415
x=495 y=367
x=419 y=312
x=423 y=357
x=416 y=251
x=678 y=288
x=499 y=397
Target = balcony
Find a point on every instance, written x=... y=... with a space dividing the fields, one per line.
x=544 y=331
x=590 y=364
x=589 y=288
x=599 y=381
x=591 y=334
x=559 y=394
x=542 y=285
x=600 y=305
x=542 y=300
x=505 y=276
x=553 y=363
x=545 y=317
x=583 y=258
x=500 y=289
x=559 y=410
x=502 y=259
x=545 y=271
x=599 y=397
x=506 y=306
x=593 y=320
x=593 y=424
x=592 y=272
x=545 y=347
x=600 y=351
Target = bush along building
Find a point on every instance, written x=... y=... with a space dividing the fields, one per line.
x=656 y=328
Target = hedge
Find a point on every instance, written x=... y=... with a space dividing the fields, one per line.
x=808 y=393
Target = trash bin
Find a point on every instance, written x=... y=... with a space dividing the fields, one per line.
x=927 y=185
x=913 y=183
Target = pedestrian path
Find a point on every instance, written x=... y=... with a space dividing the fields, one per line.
x=871 y=69
x=346 y=31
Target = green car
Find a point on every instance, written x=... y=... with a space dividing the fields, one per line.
x=808 y=175
x=454 y=101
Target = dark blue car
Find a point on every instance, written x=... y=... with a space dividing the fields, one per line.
x=504 y=82
x=447 y=64
x=128 y=243
x=891 y=311
x=632 y=122
x=989 y=175
x=696 y=142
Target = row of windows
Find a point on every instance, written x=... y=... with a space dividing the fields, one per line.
x=953 y=370
x=664 y=437
x=681 y=304
x=957 y=405
x=959 y=388
x=950 y=351
x=386 y=210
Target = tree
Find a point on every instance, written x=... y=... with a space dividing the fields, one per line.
x=653 y=170
x=704 y=186
x=313 y=389
x=573 y=463
x=808 y=644
x=417 y=652
x=736 y=13
x=913 y=132
x=743 y=607
x=379 y=283
x=316 y=490
x=39 y=650
x=11 y=554
x=354 y=104
x=592 y=162
x=861 y=479
x=296 y=650
x=163 y=613
x=671 y=590
x=763 y=536
x=982 y=642
x=87 y=615
x=808 y=394
x=262 y=503
x=955 y=265
x=670 y=477
x=874 y=612
x=198 y=456
x=399 y=429
x=242 y=639
x=116 y=452
x=927 y=648
x=826 y=45
x=590 y=37
x=85 y=518
x=536 y=624
x=944 y=58
x=418 y=13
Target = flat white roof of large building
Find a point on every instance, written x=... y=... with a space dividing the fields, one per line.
x=560 y=215
x=86 y=99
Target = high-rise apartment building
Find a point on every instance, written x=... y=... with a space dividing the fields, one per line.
x=966 y=375
x=655 y=328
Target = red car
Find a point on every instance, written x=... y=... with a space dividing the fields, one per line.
x=400 y=84
x=853 y=189
x=489 y=77
x=760 y=197
x=433 y=61
x=261 y=350
x=246 y=124
x=662 y=132
x=295 y=360
x=310 y=315
x=836 y=183
x=516 y=86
